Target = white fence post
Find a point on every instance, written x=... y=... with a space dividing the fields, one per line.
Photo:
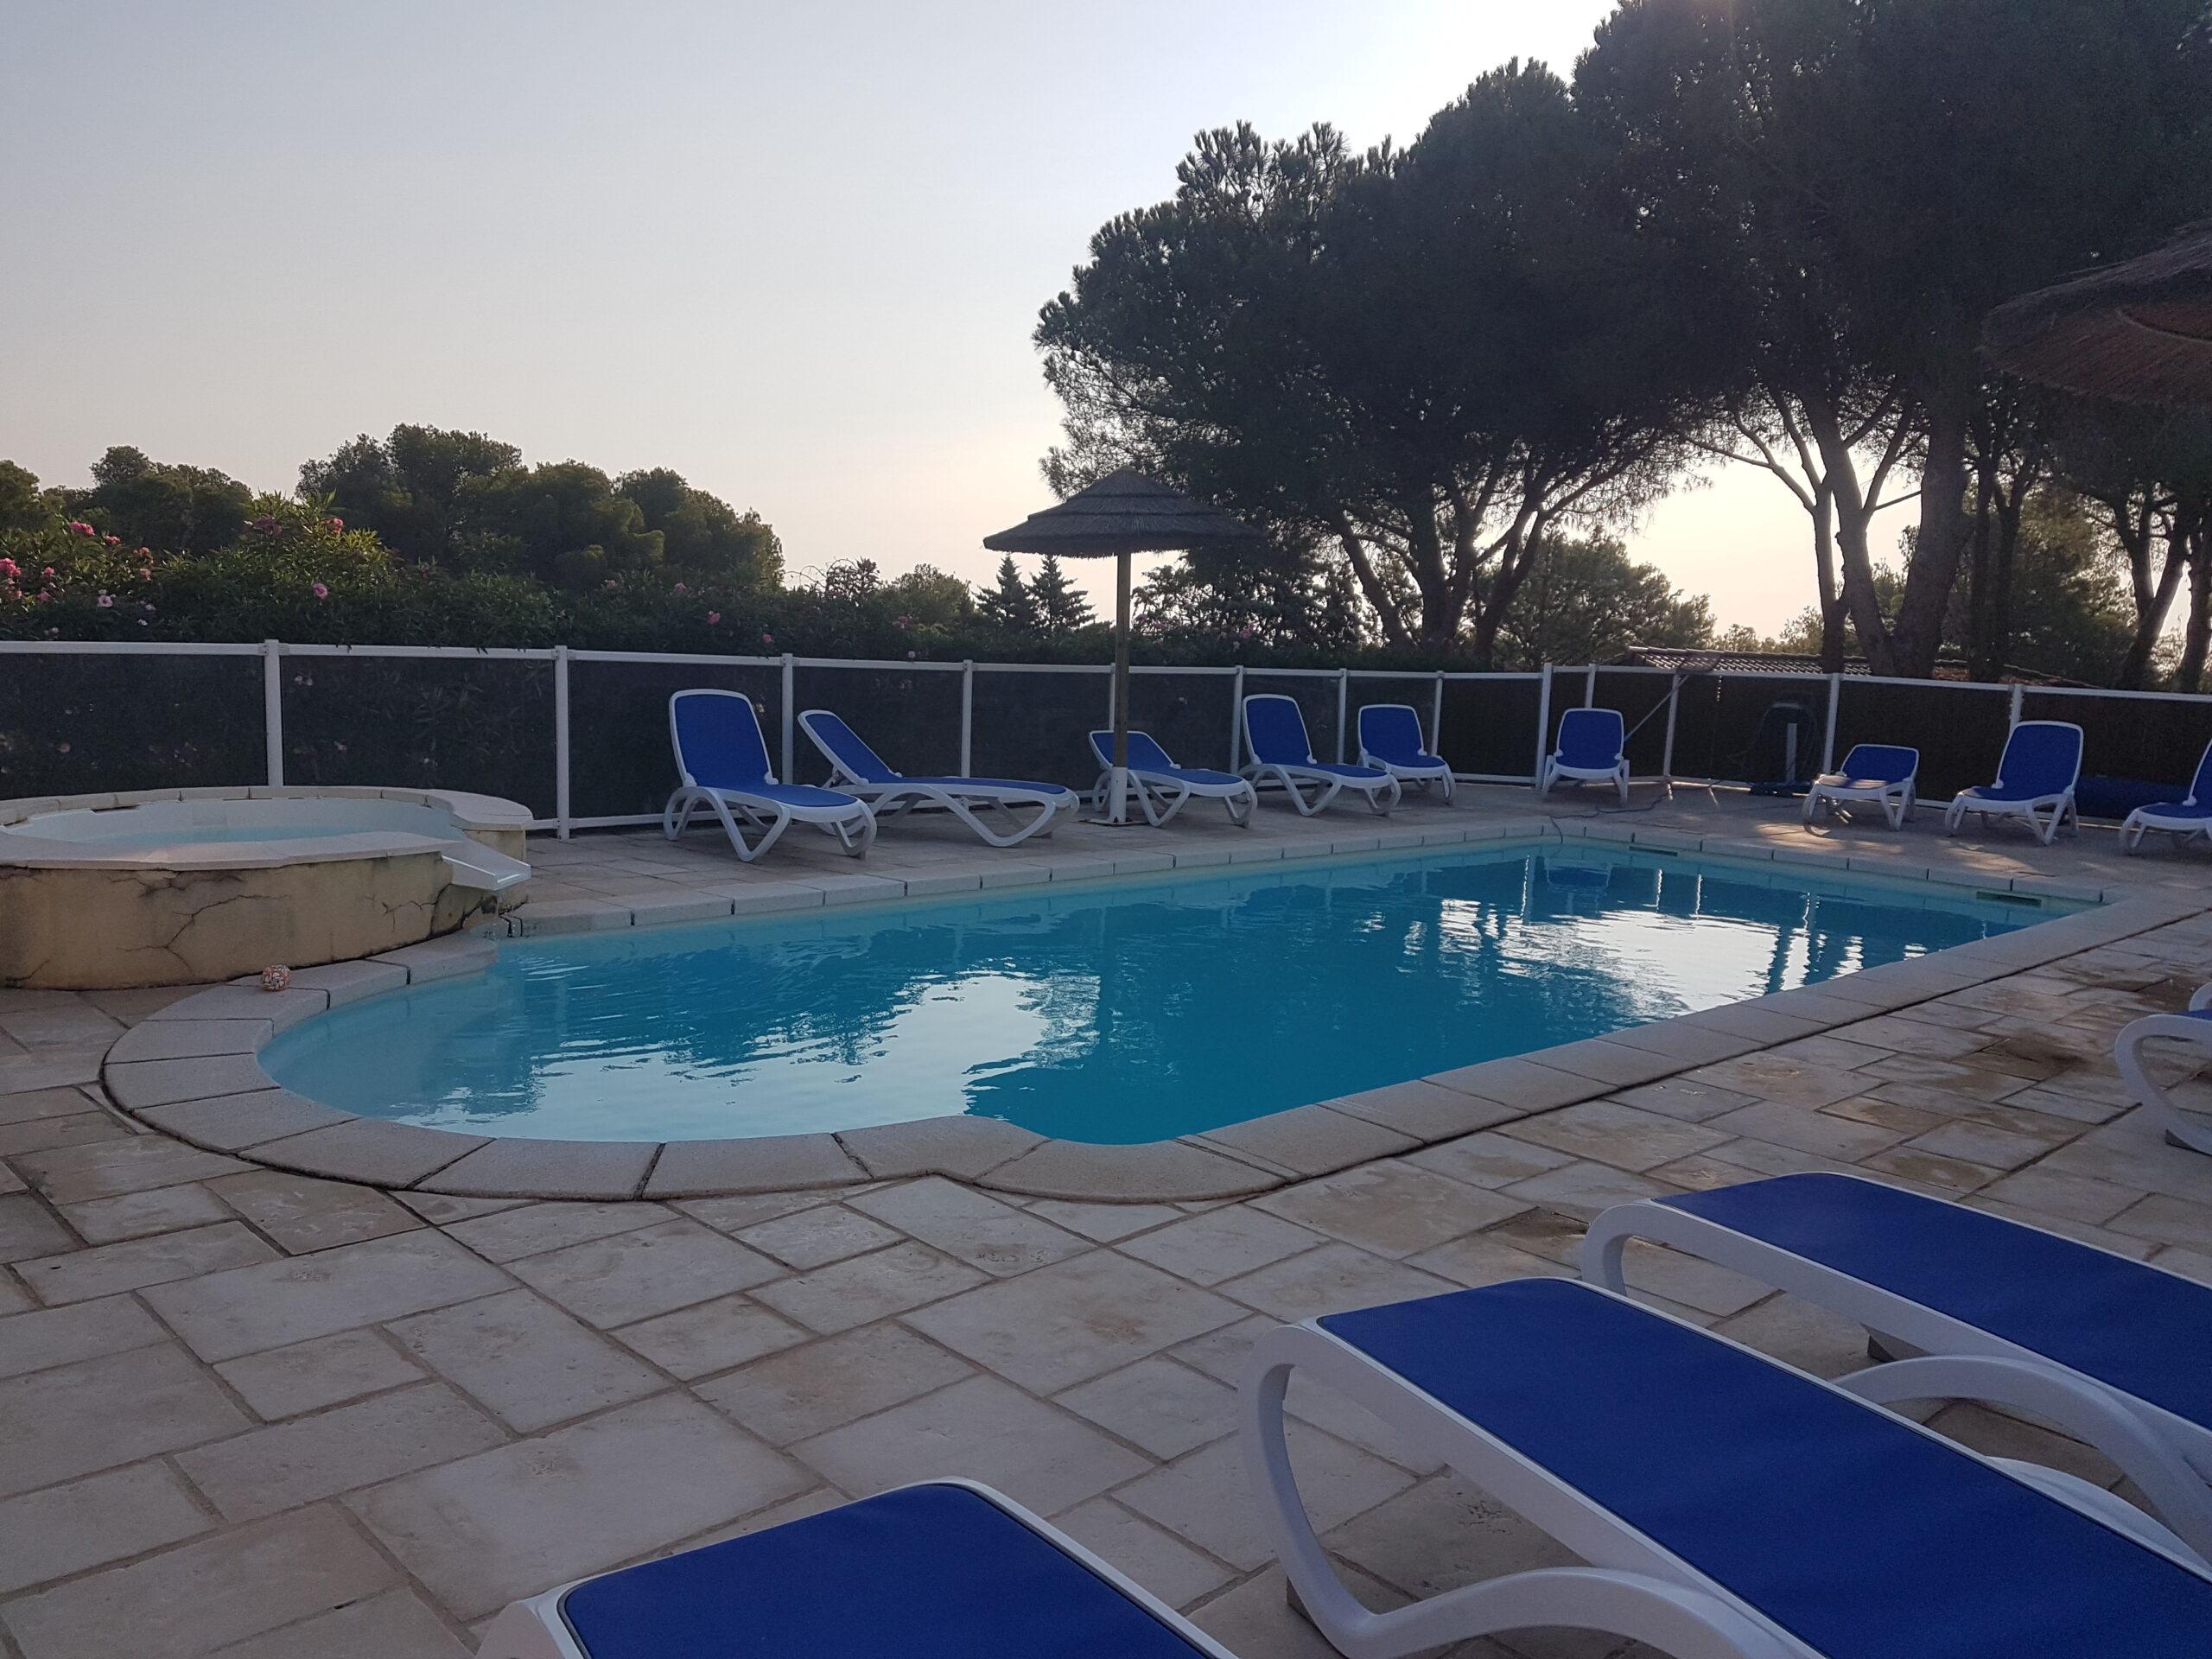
x=1543 y=724
x=1237 y=721
x=1589 y=689
x=791 y=714
x=1436 y=718
x=1674 y=707
x=2018 y=690
x=561 y=814
x=1827 y=745
x=966 y=718
x=272 y=710
x=1343 y=704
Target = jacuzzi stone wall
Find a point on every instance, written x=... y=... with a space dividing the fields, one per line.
x=86 y=923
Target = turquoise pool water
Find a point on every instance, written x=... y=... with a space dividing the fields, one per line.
x=1115 y=1011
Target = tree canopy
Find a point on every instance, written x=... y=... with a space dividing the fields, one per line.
x=1429 y=359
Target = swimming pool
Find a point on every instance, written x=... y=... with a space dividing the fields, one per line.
x=1119 y=1012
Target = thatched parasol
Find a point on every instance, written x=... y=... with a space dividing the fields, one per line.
x=1123 y=513
x=2140 y=331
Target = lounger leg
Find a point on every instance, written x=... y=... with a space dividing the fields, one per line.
x=1240 y=807
x=2128 y=1055
x=1623 y=782
x=1684 y=1622
x=2077 y=1407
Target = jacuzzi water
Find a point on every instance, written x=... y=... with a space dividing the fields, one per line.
x=1105 y=1012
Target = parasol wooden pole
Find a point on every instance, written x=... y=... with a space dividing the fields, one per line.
x=1118 y=811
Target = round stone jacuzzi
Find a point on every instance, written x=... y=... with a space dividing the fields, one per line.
x=178 y=886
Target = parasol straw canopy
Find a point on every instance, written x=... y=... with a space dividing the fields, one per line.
x=2140 y=332
x=1123 y=513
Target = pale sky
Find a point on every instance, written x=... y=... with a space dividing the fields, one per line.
x=794 y=251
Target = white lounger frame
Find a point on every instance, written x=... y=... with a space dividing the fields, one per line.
x=1424 y=776
x=1895 y=799
x=767 y=818
x=1160 y=796
x=2169 y=1457
x=894 y=800
x=1555 y=769
x=1327 y=784
x=535 y=1630
x=1631 y=1588
x=2143 y=819
x=2060 y=806
x=2182 y=1129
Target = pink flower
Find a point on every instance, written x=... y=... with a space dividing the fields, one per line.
x=107 y=602
x=767 y=638
x=321 y=592
x=112 y=541
x=47 y=573
x=145 y=576
x=681 y=590
x=79 y=527
x=9 y=569
x=334 y=523
x=714 y=619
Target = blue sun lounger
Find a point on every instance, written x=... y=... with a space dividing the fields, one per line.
x=1389 y=737
x=944 y=1570
x=722 y=760
x=2036 y=777
x=2193 y=1029
x=1163 y=787
x=1727 y=1507
x=1592 y=749
x=2115 y=1351
x=859 y=769
x=1873 y=774
x=2184 y=819
x=1274 y=733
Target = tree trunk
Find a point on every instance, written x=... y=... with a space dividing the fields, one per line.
x=1943 y=536
x=1834 y=616
x=1857 y=596
x=2198 y=635
x=2150 y=620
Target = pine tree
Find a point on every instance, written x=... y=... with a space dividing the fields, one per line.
x=1061 y=607
x=1008 y=606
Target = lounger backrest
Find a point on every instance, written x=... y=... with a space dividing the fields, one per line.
x=2200 y=787
x=1590 y=737
x=1391 y=731
x=2042 y=756
x=842 y=745
x=1880 y=762
x=1144 y=755
x=1275 y=730
x=717 y=738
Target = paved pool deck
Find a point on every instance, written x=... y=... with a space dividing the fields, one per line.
x=250 y=1412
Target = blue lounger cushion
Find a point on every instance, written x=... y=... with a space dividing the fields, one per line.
x=718 y=740
x=923 y=1573
x=1870 y=764
x=2141 y=1329
x=1863 y=1535
x=1591 y=739
x=1391 y=732
x=1147 y=756
x=955 y=785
